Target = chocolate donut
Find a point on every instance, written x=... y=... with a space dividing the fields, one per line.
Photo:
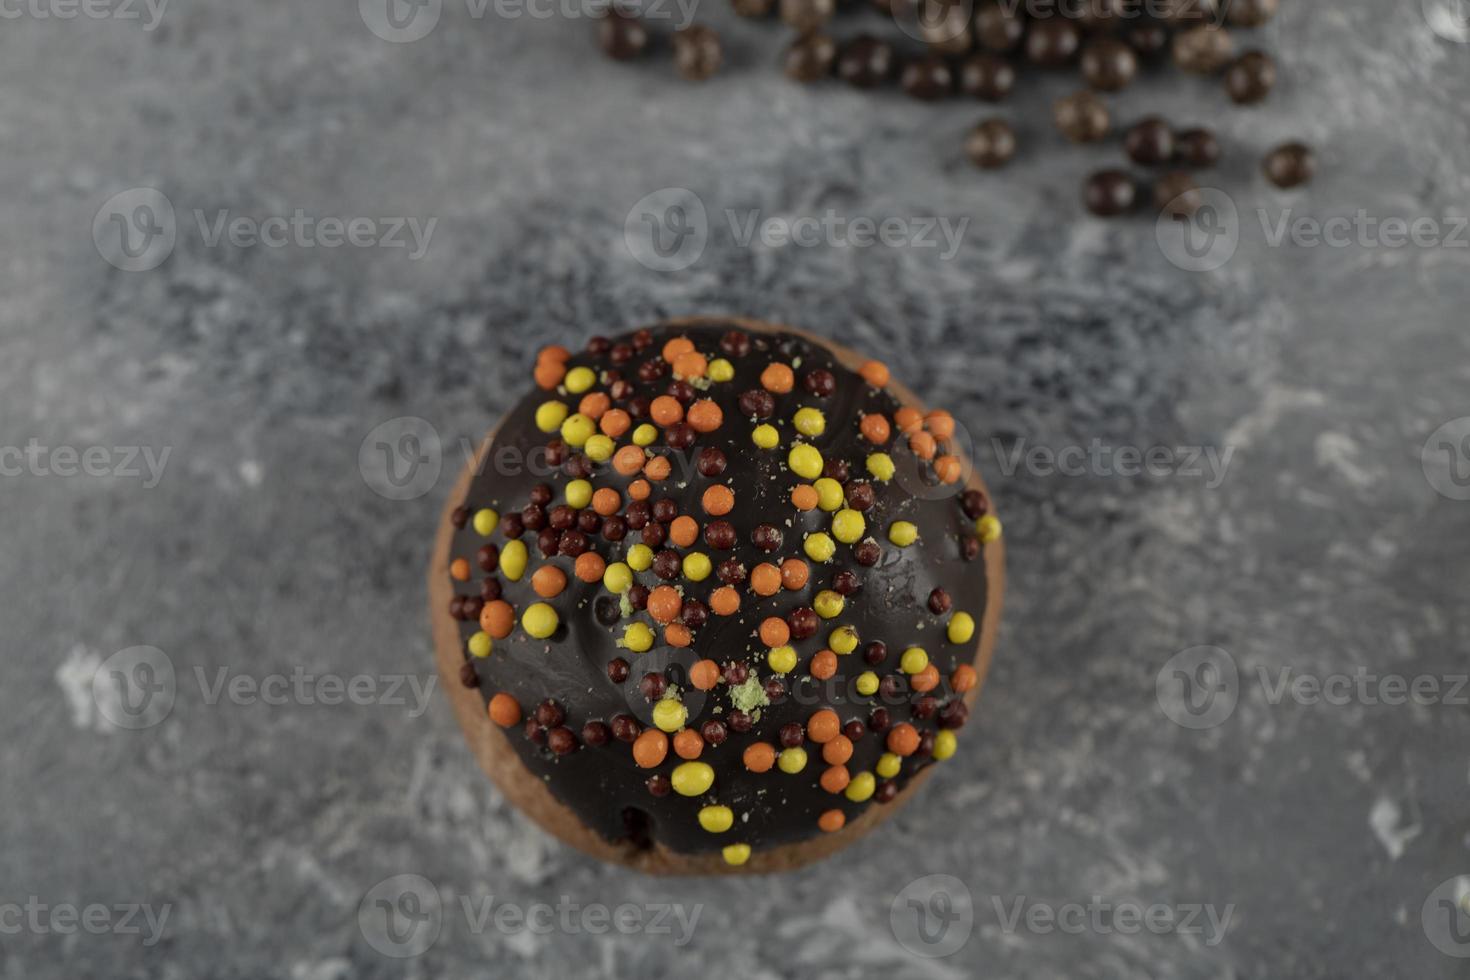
x=715 y=596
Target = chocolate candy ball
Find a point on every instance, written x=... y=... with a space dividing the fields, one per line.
x=1108 y=64
x=928 y=78
x=1250 y=78
x=621 y=36
x=1203 y=50
x=1250 y=13
x=1197 y=148
x=997 y=29
x=810 y=58
x=697 y=52
x=807 y=15
x=1109 y=192
x=1052 y=43
x=1290 y=165
x=991 y=144
x=1177 y=195
x=1150 y=142
x=987 y=76
x=1081 y=117
x=865 y=62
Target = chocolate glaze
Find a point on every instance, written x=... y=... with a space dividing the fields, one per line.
x=602 y=785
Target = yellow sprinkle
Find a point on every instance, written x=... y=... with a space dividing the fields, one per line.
x=640 y=557
x=480 y=644
x=692 y=778
x=961 y=628
x=805 y=461
x=540 y=620
x=670 y=714
x=600 y=448
x=645 y=435
x=716 y=819
x=550 y=416
x=579 y=494
x=888 y=765
x=638 y=637
x=903 y=533
x=829 y=494
x=988 y=527
x=810 y=421
x=486 y=521
x=849 y=526
x=697 y=566
x=721 y=370
x=782 y=659
x=513 y=558
x=880 y=466
x=828 y=604
x=577 y=429
x=766 y=436
x=736 y=854
x=618 y=578
x=844 y=639
x=579 y=379
x=867 y=683
x=914 y=660
x=792 y=761
x=861 y=787
x=819 y=546
x=944 y=744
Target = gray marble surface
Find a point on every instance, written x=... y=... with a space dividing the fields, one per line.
x=268 y=828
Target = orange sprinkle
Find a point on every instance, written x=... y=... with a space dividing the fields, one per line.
x=835 y=779
x=589 y=567
x=705 y=416
x=677 y=346
x=594 y=404
x=549 y=581
x=926 y=679
x=459 y=569
x=688 y=744
x=949 y=469
x=804 y=496
x=964 y=678
x=639 y=489
x=553 y=353
x=903 y=739
x=678 y=635
x=684 y=531
x=650 y=748
x=505 y=710
x=718 y=500
x=725 y=601
x=875 y=428
x=548 y=374
x=823 y=726
x=704 y=675
x=690 y=364
x=606 y=501
x=832 y=821
x=615 y=423
x=778 y=378
x=498 y=618
x=824 y=664
x=941 y=423
x=658 y=468
x=794 y=573
x=665 y=603
x=837 y=751
x=759 y=757
x=765 y=579
x=923 y=445
x=774 y=632
x=874 y=373
x=908 y=420
x=666 y=410
x=628 y=460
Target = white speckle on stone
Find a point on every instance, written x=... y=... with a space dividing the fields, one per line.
x=1385 y=819
x=1338 y=452
x=251 y=472
x=74 y=677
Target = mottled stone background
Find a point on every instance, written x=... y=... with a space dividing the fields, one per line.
x=1324 y=549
